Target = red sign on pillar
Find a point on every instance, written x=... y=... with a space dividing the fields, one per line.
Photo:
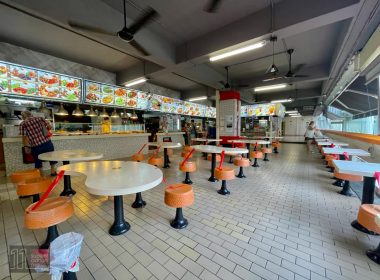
x=229 y=115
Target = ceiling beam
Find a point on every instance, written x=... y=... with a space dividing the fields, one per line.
x=348 y=108
x=305 y=15
x=362 y=93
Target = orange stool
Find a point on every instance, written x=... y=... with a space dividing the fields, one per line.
x=266 y=151
x=50 y=213
x=369 y=218
x=138 y=157
x=241 y=162
x=179 y=196
x=218 y=158
x=187 y=148
x=34 y=187
x=224 y=174
x=276 y=145
x=188 y=167
x=256 y=155
x=22 y=175
x=346 y=179
x=185 y=154
x=156 y=161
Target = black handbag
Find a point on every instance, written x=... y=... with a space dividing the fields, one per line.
x=27 y=157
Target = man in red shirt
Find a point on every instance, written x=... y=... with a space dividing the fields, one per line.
x=34 y=131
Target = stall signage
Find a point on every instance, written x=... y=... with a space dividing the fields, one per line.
x=258 y=110
x=30 y=82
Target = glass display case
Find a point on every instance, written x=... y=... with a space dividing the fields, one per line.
x=64 y=128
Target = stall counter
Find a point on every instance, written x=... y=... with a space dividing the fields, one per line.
x=112 y=146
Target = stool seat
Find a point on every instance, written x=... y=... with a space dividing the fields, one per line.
x=157 y=161
x=348 y=177
x=266 y=150
x=242 y=162
x=22 y=175
x=226 y=173
x=276 y=144
x=33 y=186
x=51 y=212
x=330 y=163
x=331 y=157
x=367 y=217
x=218 y=158
x=179 y=195
x=185 y=154
x=138 y=157
x=187 y=148
x=256 y=154
x=188 y=166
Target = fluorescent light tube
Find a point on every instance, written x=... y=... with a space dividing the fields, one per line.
x=291 y=112
x=198 y=98
x=238 y=51
x=135 y=82
x=265 y=88
x=282 y=100
x=296 y=116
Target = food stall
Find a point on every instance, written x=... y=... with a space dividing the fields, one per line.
x=262 y=119
x=116 y=136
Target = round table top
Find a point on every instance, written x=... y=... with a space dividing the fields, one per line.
x=206 y=140
x=70 y=155
x=250 y=141
x=170 y=145
x=218 y=150
x=115 y=177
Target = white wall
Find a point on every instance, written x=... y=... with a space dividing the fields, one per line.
x=296 y=126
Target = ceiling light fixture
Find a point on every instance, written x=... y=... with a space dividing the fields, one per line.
x=282 y=100
x=136 y=82
x=291 y=112
x=198 y=98
x=266 y=88
x=239 y=51
x=77 y=112
x=296 y=116
x=62 y=111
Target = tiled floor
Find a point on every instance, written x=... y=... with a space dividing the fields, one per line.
x=284 y=221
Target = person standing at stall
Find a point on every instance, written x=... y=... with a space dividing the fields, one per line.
x=193 y=130
x=35 y=138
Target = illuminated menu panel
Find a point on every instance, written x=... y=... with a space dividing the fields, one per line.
x=259 y=110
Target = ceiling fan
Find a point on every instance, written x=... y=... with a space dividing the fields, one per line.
x=126 y=33
x=226 y=84
x=212 y=6
x=290 y=73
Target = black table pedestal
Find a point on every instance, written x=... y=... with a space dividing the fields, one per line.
x=179 y=221
x=374 y=254
x=51 y=235
x=223 y=190
x=139 y=202
x=166 y=158
x=346 y=189
x=255 y=163
x=67 y=190
x=213 y=165
x=241 y=173
x=187 y=179
x=275 y=150
x=119 y=226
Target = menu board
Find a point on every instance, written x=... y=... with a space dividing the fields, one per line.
x=280 y=110
x=142 y=100
x=155 y=102
x=258 y=110
x=171 y=105
x=210 y=112
x=103 y=94
x=132 y=98
x=20 y=80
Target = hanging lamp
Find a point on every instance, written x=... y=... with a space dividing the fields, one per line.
x=104 y=113
x=62 y=111
x=43 y=109
x=273 y=68
x=77 y=112
x=134 y=116
x=92 y=113
x=115 y=114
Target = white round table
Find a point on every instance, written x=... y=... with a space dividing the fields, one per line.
x=213 y=150
x=166 y=146
x=67 y=156
x=116 y=178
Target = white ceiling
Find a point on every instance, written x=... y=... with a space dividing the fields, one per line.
x=322 y=33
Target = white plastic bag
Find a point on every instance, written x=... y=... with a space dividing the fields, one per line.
x=64 y=254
